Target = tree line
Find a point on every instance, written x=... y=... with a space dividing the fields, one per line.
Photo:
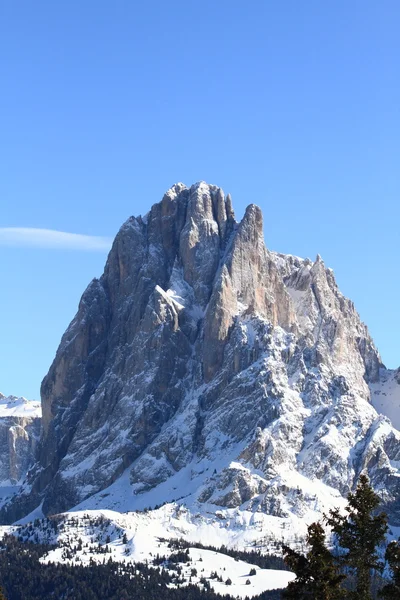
x=254 y=557
x=346 y=571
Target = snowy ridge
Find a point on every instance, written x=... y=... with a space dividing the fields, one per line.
x=12 y=406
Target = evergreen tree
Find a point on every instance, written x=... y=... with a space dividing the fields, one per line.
x=391 y=591
x=317 y=575
x=360 y=532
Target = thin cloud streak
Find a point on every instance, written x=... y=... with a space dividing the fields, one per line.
x=52 y=239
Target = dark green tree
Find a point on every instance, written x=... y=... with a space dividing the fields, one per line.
x=360 y=533
x=317 y=575
x=391 y=591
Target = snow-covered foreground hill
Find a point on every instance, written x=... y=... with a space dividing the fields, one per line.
x=85 y=536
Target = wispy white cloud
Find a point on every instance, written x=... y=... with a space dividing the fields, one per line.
x=50 y=238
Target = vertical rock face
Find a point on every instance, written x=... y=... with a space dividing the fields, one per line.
x=19 y=435
x=201 y=349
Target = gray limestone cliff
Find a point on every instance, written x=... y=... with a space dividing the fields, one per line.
x=198 y=345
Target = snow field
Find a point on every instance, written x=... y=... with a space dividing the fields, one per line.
x=207 y=562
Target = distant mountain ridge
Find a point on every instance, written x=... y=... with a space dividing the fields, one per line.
x=205 y=367
x=19 y=435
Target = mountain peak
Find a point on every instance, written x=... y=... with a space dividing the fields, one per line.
x=201 y=352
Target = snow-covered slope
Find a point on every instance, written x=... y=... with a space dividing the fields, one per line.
x=227 y=568
x=203 y=367
x=385 y=395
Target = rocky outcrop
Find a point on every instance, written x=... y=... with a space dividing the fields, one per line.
x=199 y=349
x=19 y=435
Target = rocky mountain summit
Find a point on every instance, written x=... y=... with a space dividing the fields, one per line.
x=19 y=435
x=204 y=367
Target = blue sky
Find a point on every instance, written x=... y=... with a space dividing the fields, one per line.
x=294 y=106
